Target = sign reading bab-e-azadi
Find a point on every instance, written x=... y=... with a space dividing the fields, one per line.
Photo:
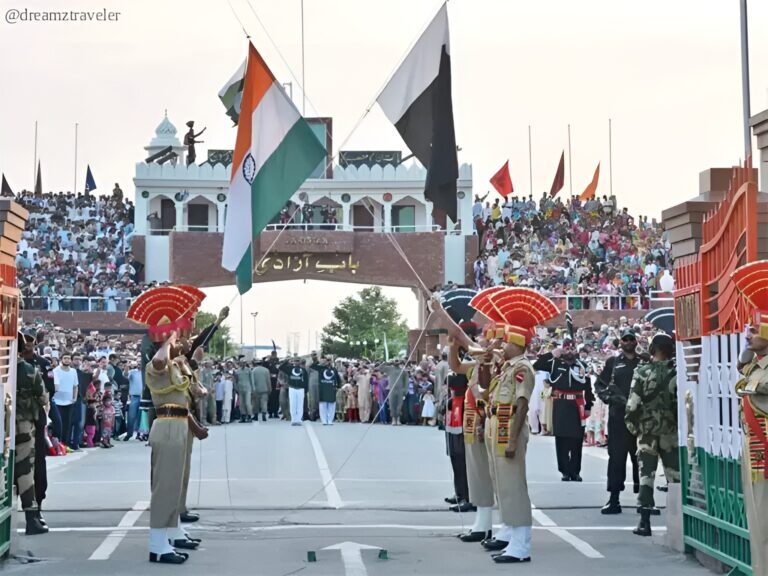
x=307 y=263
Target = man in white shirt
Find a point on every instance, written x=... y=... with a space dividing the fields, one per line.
x=101 y=373
x=65 y=384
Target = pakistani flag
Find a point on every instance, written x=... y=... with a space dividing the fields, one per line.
x=275 y=153
x=418 y=101
x=232 y=93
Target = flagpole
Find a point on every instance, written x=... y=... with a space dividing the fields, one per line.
x=745 y=79
x=303 y=85
x=610 y=159
x=74 y=189
x=34 y=164
x=530 y=161
x=570 y=174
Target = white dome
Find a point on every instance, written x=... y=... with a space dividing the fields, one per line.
x=165 y=134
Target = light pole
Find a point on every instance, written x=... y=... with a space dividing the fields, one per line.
x=255 y=342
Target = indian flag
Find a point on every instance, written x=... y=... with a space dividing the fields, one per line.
x=275 y=153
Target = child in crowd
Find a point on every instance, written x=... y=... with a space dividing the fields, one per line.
x=107 y=418
x=428 y=412
x=91 y=402
x=595 y=429
x=341 y=403
x=117 y=405
x=353 y=412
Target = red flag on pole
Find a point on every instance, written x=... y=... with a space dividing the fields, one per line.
x=557 y=185
x=502 y=181
x=591 y=189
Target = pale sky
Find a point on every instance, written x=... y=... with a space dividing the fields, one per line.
x=666 y=72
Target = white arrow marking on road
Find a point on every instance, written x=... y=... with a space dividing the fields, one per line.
x=352 y=557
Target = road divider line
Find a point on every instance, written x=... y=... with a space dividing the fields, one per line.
x=329 y=485
x=113 y=539
x=576 y=542
x=548 y=524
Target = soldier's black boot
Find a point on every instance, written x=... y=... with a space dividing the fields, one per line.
x=613 y=506
x=40 y=516
x=644 y=526
x=34 y=526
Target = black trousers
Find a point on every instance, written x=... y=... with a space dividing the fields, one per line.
x=569 y=454
x=273 y=403
x=620 y=445
x=41 y=449
x=459 y=465
x=64 y=431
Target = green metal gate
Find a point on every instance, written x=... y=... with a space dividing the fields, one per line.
x=714 y=517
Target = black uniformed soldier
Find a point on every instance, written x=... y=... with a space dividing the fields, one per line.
x=612 y=387
x=31 y=398
x=571 y=401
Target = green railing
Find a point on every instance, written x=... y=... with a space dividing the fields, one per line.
x=714 y=518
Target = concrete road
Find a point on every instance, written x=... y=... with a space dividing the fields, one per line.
x=270 y=493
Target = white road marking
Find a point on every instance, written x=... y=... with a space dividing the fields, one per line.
x=576 y=542
x=352 y=557
x=331 y=492
x=113 y=539
x=562 y=533
x=281 y=527
x=54 y=463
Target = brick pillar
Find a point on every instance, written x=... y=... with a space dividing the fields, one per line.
x=13 y=219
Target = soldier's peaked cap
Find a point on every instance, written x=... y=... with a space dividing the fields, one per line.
x=165 y=309
x=517 y=310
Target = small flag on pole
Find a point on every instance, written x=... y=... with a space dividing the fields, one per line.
x=559 y=181
x=90 y=183
x=231 y=95
x=417 y=100
x=502 y=181
x=275 y=152
x=38 y=181
x=591 y=189
x=5 y=189
x=569 y=323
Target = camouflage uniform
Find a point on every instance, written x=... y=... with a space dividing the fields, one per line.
x=30 y=399
x=652 y=417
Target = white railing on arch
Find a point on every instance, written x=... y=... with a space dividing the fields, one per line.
x=716 y=405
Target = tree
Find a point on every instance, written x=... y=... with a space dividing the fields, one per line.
x=360 y=324
x=221 y=344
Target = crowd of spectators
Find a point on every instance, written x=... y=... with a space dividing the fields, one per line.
x=588 y=254
x=75 y=252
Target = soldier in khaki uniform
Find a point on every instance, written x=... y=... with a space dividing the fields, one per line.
x=207 y=404
x=517 y=311
x=31 y=397
x=165 y=311
x=751 y=281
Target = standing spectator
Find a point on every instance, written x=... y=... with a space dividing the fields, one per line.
x=78 y=410
x=65 y=383
x=101 y=374
x=135 y=387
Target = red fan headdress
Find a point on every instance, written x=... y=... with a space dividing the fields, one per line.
x=752 y=283
x=165 y=309
x=516 y=310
